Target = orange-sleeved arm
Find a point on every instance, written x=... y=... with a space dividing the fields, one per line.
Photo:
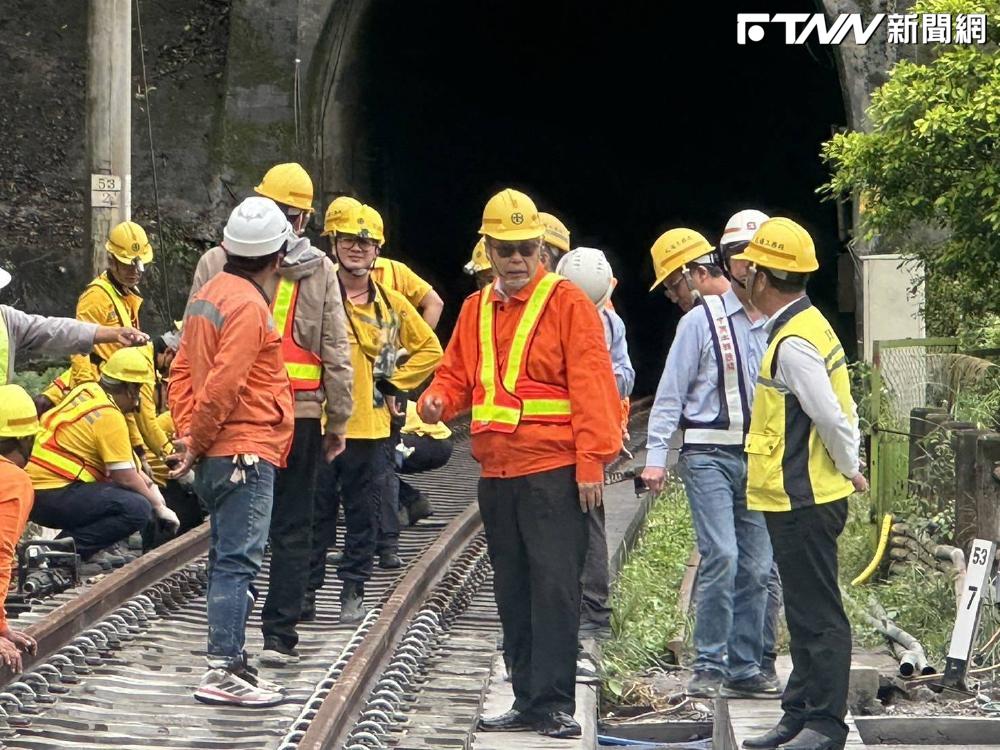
x=455 y=377
x=92 y=307
x=593 y=393
x=16 y=499
x=180 y=392
x=240 y=341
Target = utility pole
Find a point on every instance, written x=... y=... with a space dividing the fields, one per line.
x=109 y=122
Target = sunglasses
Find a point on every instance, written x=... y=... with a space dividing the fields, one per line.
x=524 y=248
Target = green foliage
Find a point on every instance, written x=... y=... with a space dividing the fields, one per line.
x=644 y=598
x=36 y=381
x=931 y=161
x=920 y=601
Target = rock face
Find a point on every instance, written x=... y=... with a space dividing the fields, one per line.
x=42 y=117
x=228 y=99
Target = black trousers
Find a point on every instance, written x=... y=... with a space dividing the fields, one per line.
x=291 y=534
x=428 y=453
x=537 y=540
x=95 y=514
x=387 y=495
x=595 y=580
x=805 y=548
x=351 y=480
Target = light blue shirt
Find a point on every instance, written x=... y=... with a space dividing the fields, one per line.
x=614 y=337
x=690 y=381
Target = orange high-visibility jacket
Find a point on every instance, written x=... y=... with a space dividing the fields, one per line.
x=563 y=357
x=229 y=392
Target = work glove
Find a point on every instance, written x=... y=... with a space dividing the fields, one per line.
x=167 y=519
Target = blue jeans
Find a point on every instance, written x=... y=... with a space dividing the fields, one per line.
x=731 y=588
x=240 y=514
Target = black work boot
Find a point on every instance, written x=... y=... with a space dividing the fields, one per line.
x=352 y=605
x=420 y=508
x=773 y=738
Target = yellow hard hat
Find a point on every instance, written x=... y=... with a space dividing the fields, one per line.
x=18 y=416
x=130 y=364
x=556 y=233
x=480 y=260
x=288 y=184
x=781 y=245
x=511 y=215
x=364 y=221
x=673 y=249
x=337 y=212
x=128 y=243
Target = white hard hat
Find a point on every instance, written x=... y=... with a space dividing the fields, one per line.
x=742 y=226
x=256 y=227
x=4 y=278
x=588 y=269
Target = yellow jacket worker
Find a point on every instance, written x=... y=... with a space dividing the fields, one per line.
x=82 y=465
x=802 y=451
x=381 y=323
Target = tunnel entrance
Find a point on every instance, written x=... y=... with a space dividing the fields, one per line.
x=623 y=119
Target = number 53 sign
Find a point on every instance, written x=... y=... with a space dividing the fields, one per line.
x=977 y=579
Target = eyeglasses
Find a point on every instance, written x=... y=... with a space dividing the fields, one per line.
x=524 y=248
x=347 y=241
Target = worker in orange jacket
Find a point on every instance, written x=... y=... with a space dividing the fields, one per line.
x=233 y=411
x=18 y=427
x=528 y=356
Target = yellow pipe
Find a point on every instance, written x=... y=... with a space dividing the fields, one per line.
x=883 y=542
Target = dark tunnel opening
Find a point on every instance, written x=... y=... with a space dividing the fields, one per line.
x=623 y=119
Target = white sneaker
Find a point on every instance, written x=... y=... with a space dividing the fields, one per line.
x=224 y=688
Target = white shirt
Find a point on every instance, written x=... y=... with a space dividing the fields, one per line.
x=802 y=372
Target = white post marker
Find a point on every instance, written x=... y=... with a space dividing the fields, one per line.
x=105 y=191
x=977 y=580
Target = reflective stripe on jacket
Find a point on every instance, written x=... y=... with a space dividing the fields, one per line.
x=305 y=369
x=81 y=402
x=500 y=403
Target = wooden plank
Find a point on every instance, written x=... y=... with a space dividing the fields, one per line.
x=676 y=644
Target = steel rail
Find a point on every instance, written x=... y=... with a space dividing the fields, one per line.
x=62 y=624
x=344 y=702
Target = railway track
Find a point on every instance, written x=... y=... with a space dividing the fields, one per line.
x=119 y=659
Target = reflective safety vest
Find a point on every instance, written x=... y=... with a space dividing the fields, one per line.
x=4 y=350
x=121 y=309
x=500 y=404
x=305 y=369
x=729 y=428
x=82 y=401
x=788 y=466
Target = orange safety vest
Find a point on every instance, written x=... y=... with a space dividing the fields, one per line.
x=305 y=369
x=82 y=401
x=500 y=404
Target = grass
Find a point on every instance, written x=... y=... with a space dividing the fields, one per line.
x=644 y=598
x=920 y=601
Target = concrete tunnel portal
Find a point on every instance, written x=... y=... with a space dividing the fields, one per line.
x=622 y=119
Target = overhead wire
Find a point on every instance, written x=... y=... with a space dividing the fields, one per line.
x=165 y=263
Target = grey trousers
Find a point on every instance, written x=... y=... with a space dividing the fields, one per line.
x=595 y=611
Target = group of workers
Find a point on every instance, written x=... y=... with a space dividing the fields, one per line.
x=756 y=380
x=297 y=387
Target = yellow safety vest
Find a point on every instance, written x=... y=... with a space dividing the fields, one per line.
x=121 y=310
x=82 y=401
x=305 y=369
x=4 y=350
x=788 y=465
x=500 y=405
